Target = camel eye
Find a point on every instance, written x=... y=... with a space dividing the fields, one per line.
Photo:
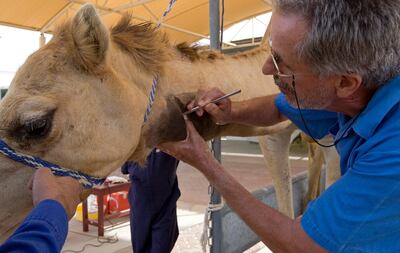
x=37 y=128
x=34 y=128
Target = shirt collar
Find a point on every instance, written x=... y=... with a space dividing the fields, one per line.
x=384 y=99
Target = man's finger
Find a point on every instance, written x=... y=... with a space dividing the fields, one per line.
x=200 y=112
x=191 y=105
x=215 y=111
x=208 y=97
x=42 y=173
x=212 y=108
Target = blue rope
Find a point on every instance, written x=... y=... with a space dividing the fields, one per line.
x=35 y=162
x=169 y=8
x=155 y=80
x=152 y=97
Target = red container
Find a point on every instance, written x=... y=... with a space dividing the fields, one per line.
x=117 y=202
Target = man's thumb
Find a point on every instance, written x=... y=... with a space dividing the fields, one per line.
x=189 y=126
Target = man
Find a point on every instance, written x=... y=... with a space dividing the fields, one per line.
x=340 y=58
x=46 y=227
x=152 y=199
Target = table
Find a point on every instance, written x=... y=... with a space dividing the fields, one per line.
x=100 y=192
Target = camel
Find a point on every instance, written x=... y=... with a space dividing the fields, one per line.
x=79 y=102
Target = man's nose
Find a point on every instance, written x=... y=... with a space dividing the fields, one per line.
x=268 y=67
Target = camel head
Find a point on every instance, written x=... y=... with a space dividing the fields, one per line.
x=67 y=105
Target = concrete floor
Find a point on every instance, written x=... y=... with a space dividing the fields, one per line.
x=118 y=239
x=242 y=159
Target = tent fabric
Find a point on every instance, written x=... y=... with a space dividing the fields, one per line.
x=188 y=20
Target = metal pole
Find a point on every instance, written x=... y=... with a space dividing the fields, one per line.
x=214 y=24
x=216 y=219
x=42 y=40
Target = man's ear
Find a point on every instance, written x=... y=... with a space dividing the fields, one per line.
x=348 y=85
x=90 y=37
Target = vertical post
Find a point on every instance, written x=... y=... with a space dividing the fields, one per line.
x=42 y=40
x=85 y=215
x=100 y=212
x=216 y=219
x=214 y=24
x=252 y=31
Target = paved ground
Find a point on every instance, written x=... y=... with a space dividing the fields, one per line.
x=250 y=171
x=118 y=234
x=247 y=168
x=190 y=224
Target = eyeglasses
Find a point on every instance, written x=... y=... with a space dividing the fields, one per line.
x=277 y=79
x=278 y=75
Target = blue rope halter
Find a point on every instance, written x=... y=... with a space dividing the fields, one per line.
x=152 y=96
x=169 y=8
x=35 y=162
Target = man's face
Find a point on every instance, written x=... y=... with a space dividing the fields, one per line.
x=313 y=92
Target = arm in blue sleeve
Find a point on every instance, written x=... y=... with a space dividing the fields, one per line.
x=44 y=230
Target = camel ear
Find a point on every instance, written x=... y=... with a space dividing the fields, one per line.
x=90 y=38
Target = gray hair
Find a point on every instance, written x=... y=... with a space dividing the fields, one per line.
x=349 y=36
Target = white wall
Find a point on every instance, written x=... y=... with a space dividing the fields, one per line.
x=15 y=46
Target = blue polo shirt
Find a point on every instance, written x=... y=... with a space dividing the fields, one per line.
x=360 y=213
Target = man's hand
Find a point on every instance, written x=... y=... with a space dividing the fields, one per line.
x=221 y=112
x=194 y=150
x=66 y=190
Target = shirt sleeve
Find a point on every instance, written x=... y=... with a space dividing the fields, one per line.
x=319 y=122
x=44 y=230
x=360 y=212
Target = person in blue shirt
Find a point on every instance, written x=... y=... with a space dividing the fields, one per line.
x=45 y=229
x=152 y=199
x=337 y=65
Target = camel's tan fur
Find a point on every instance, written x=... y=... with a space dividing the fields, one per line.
x=92 y=84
